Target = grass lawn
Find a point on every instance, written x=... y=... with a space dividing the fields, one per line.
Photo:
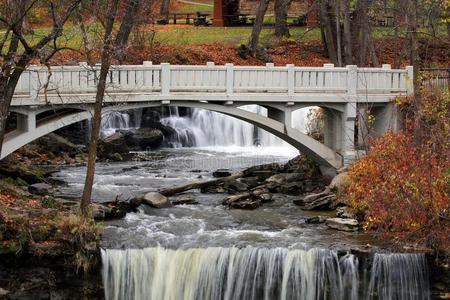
x=189 y=35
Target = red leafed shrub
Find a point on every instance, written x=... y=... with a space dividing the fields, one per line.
x=402 y=190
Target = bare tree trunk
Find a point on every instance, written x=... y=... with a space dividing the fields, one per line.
x=348 y=43
x=361 y=9
x=257 y=27
x=415 y=62
x=164 y=10
x=110 y=49
x=325 y=23
x=281 y=26
x=397 y=54
x=338 y=32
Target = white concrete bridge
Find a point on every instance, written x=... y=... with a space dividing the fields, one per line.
x=46 y=100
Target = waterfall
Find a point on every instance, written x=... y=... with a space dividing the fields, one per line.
x=392 y=271
x=205 y=128
x=117 y=120
x=258 y=273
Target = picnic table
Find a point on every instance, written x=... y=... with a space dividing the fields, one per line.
x=239 y=19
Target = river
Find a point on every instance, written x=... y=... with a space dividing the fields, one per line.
x=207 y=251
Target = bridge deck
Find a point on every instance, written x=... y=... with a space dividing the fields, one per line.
x=147 y=82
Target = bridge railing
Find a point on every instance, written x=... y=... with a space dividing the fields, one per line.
x=228 y=79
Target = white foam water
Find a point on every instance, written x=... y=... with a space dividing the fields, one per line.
x=258 y=273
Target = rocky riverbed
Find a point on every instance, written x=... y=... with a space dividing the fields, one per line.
x=273 y=202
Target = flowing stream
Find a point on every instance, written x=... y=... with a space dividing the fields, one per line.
x=207 y=251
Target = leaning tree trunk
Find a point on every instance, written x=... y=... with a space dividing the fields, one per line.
x=97 y=118
x=325 y=23
x=281 y=26
x=257 y=27
x=110 y=49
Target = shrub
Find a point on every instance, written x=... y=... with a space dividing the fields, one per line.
x=401 y=189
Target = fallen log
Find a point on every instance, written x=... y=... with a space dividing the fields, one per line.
x=198 y=185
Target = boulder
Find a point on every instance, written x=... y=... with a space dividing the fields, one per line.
x=41 y=189
x=242 y=201
x=234 y=186
x=262 y=194
x=291 y=188
x=342 y=224
x=156 y=200
x=251 y=181
x=114 y=147
x=339 y=181
x=146 y=138
x=235 y=198
x=184 y=199
x=221 y=173
x=323 y=203
x=320 y=201
x=344 y=212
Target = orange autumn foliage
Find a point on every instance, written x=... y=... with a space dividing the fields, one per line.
x=402 y=190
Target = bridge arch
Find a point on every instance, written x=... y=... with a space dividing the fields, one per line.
x=305 y=144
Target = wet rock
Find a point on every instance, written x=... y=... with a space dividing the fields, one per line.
x=114 y=209
x=156 y=200
x=265 y=171
x=234 y=186
x=345 y=212
x=116 y=157
x=113 y=146
x=221 y=173
x=235 y=198
x=246 y=204
x=213 y=189
x=323 y=203
x=266 y=197
x=286 y=177
x=3 y=292
x=146 y=138
x=54 y=143
x=184 y=199
x=342 y=224
x=315 y=220
x=262 y=175
x=29 y=174
x=251 y=181
x=291 y=188
x=242 y=201
x=262 y=194
x=41 y=189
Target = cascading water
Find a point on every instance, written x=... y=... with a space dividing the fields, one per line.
x=394 y=270
x=116 y=120
x=206 y=128
x=203 y=128
x=258 y=273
